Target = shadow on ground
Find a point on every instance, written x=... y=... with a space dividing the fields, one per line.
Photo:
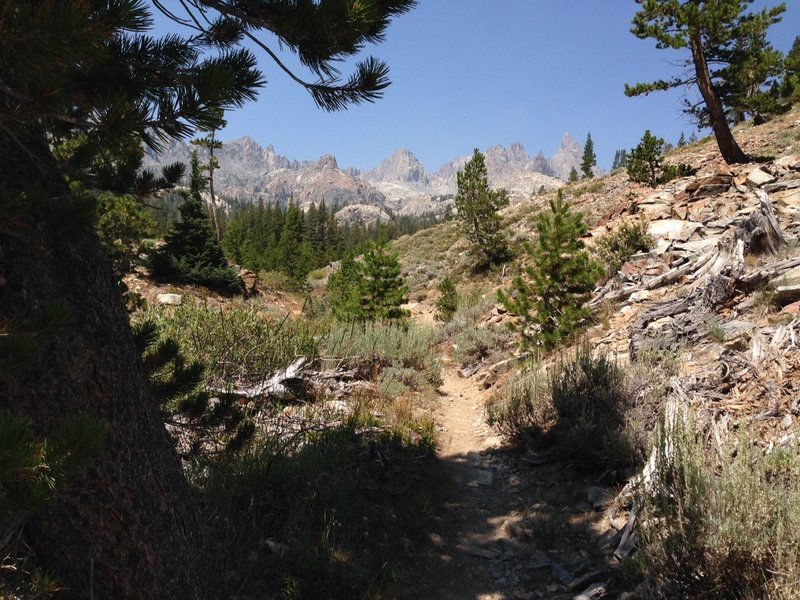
x=518 y=526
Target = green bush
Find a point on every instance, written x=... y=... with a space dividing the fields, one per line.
x=721 y=529
x=670 y=172
x=471 y=308
x=198 y=425
x=481 y=344
x=644 y=162
x=524 y=410
x=615 y=248
x=447 y=304
x=239 y=345
x=385 y=345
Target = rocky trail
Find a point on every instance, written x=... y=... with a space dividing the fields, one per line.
x=513 y=525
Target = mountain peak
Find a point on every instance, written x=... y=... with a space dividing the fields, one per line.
x=400 y=167
x=328 y=161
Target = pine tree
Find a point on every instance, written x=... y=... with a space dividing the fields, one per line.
x=381 y=288
x=589 y=159
x=750 y=77
x=478 y=208
x=343 y=292
x=681 y=141
x=573 y=175
x=550 y=303
x=790 y=87
x=210 y=143
x=293 y=255
x=644 y=163
x=711 y=30
x=447 y=304
x=620 y=159
x=191 y=253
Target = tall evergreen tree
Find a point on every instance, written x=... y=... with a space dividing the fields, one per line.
x=620 y=159
x=589 y=159
x=709 y=29
x=210 y=143
x=478 y=208
x=191 y=252
x=92 y=67
x=573 y=175
x=550 y=303
x=381 y=288
x=751 y=72
x=681 y=140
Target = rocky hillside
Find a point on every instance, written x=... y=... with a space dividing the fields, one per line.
x=710 y=292
x=400 y=184
x=713 y=305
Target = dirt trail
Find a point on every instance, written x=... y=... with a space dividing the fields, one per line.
x=508 y=529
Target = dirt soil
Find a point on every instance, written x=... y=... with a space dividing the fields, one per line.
x=513 y=525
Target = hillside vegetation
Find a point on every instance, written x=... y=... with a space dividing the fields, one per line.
x=536 y=389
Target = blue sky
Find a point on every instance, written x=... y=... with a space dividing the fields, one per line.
x=475 y=73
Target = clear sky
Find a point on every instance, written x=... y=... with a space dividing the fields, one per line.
x=475 y=73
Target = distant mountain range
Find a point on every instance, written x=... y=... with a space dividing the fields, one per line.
x=399 y=185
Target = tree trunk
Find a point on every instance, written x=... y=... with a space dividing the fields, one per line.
x=126 y=528
x=728 y=147
x=214 y=213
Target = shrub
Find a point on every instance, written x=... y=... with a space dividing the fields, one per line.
x=587 y=408
x=481 y=344
x=238 y=345
x=122 y=224
x=645 y=165
x=323 y=514
x=471 y=308
x=524 y=410
x=727 y=530
x=670 y=172
x=198 y=425
x=447 y=304
x=615 y=248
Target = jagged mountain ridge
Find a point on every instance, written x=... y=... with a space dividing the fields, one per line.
x=399 y=184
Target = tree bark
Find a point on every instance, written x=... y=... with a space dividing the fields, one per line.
x=730 y=150
x=126 y=528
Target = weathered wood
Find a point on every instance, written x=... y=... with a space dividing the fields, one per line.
x=754 y=279
x=607 y=294
x=761 y=231
x=278 y=386
x=690 y=313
